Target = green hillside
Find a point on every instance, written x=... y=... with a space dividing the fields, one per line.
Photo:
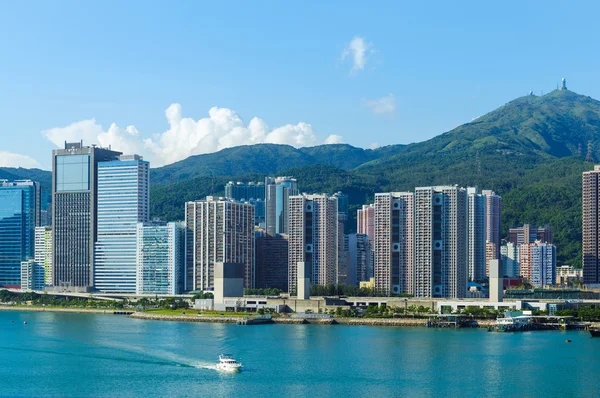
x=530 y=151
x=266 y=159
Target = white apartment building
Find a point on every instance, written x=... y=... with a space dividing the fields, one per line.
x=217 y=230
x=43 y=252
x=313 y=238
x=394 y=245
x=440 y=241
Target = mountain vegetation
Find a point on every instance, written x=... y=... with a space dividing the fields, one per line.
x=531 y=151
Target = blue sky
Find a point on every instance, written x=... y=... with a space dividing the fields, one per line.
x=266 y=71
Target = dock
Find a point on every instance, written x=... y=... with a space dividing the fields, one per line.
x=255 y=320
x=450 y=321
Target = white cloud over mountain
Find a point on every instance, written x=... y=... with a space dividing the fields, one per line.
x=223 y=128
x=334 y=139
x=8 y=159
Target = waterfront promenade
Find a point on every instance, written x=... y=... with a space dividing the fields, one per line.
x=419 y=322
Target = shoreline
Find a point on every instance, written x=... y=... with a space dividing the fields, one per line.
x=414 y=322
x=149 y=316
x=54 y=309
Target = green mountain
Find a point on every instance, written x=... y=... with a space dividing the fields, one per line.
x=531 y=151
x=266 y=159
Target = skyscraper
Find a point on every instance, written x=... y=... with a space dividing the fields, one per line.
x=74 y=208
x=342 y=273
x=160 y=258
x=477 y=231
x=510 y=260
x=217 y=230
x=360 y=258
x=365 y=221
x=529 y=234
x=272 y=262
x=591 y=226
x=394 y=244
x=19 y=215
x=313 y=238
x=440 y=242
x=493 y=224
x=123 y=202
x=253 y=193
x=277 y=193
x=525 y=260
x=244 y=191
x=543 y=264
x=43 y=252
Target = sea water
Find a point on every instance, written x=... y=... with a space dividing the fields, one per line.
x=85 y=355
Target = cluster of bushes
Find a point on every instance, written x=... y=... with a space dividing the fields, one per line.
x=263 y=292
x=348 y=290
x=81 y=302
x=584 y=314
x=57 y=301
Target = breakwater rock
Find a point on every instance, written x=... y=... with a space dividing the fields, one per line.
x=185 y=318
x=420 y=322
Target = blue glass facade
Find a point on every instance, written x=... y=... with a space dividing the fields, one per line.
x=73 y=173
x=160 y=258
x=277 y=192
x=251 y=193
x=19 y=208
x=122 y=203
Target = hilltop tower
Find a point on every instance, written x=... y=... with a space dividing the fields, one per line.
x=563 y=84
x=589 y=157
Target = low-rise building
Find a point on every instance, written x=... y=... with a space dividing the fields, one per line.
x=32 y=275
x=566 y=274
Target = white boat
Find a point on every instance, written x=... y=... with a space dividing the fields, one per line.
x=228 y=364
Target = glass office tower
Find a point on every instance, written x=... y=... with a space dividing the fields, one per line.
x=123 y=202
x=19 y=215
x=277 y=193
x=160 y=258
x=74 y=208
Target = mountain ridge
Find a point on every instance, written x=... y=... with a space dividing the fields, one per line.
x=530 y=150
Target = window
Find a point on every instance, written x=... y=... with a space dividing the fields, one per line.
x=72 y=173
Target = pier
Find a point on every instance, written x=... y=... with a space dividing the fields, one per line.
x=255 y=320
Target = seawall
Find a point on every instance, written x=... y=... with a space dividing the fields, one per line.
x=419 y=322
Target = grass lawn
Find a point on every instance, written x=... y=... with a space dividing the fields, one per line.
x=195 y=312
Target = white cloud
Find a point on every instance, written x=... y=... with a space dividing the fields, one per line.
x=8 y=159
x=374 y=145
x=223 y=128
x=334 y=139
x=359 y=50
x=382 y=106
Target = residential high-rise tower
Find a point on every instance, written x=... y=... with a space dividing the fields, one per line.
x=43 y=252
x=313 y=238
x=394 y=244
x=591 y=226
x=476 y=234
x=440 y=241
x=218 y=230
